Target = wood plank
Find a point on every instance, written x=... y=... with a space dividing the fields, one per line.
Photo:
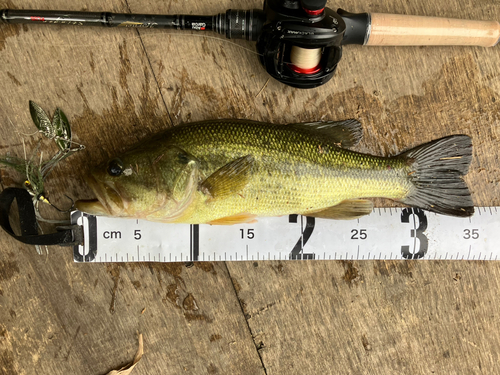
x=120 y=86
x=372 y=317
x=59 y=317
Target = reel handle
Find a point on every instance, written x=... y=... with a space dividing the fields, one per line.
x=403 y=30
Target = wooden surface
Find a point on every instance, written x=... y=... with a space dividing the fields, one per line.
x=370 y=317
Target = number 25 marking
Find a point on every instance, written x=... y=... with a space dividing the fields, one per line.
x=359 y=235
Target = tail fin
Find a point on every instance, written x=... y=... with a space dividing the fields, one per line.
x=437 y=170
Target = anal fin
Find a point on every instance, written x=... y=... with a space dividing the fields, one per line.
x=345 y=210
x=234 y=219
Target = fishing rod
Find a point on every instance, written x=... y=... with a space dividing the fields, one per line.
x=299 y=41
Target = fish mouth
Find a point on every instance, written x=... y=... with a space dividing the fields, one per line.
x=108 y=201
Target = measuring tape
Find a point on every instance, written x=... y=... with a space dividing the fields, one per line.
x=387 y=233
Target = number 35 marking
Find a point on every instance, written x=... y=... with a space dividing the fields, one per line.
x=471 y=234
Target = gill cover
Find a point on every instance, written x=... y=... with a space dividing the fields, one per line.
x=145 y=183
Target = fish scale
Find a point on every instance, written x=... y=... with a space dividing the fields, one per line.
x=220 y=169
x=291 y=172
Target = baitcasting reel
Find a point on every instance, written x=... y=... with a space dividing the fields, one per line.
x=299 y=41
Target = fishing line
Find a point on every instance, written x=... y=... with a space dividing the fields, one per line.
x=142 y=36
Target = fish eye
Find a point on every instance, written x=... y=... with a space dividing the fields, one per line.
x=115 y=167
x=183 y=158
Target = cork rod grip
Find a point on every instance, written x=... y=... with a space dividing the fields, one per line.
x=402 y=30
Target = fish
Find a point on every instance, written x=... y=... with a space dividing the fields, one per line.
x=225 y=172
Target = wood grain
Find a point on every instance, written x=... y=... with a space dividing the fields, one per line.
x=120 y=86
x=405 y=30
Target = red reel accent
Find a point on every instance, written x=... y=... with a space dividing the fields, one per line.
x=313 y=12
x=296 y=69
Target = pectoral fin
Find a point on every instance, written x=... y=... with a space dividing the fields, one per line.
x=234 y=219
x=229 y=179
x=345 y=210
x=346 y=133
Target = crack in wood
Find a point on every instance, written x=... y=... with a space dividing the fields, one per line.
x=260 y=345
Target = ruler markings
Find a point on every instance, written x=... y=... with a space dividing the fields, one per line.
x=423 y=236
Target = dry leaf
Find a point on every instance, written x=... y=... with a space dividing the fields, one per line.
x=126 y=370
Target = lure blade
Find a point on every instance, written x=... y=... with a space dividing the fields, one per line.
x=41 y=120
x=62 y=130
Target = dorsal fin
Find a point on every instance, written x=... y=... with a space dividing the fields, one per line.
x=346 y=133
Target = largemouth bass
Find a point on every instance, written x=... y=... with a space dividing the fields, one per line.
x=231 y=171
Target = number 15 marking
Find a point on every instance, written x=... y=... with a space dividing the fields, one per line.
x=250 y=234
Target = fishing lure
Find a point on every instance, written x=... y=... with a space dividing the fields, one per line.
x=35 y=174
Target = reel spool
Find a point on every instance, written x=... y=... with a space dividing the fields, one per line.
x=300 y=43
